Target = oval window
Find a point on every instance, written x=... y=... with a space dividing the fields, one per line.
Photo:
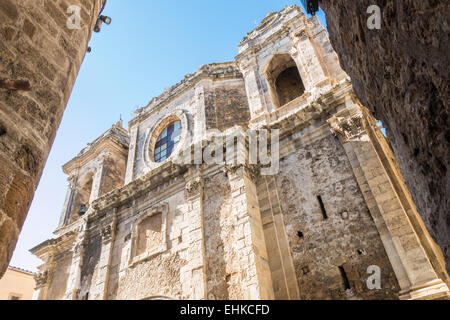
x=167 y=141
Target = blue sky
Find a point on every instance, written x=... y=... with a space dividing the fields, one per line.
x=150 y=46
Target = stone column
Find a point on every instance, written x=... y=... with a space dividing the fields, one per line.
x=71 y=192
x=193 y=275
x=97 y=180
x=412 y=265
x=134 y=133
x=253 y=87
x=253 y=259
x=201 y=117
x=307 y=59
x=108 y=236
x=74 y=279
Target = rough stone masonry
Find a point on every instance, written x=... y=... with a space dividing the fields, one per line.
x=39 y=61
x=137 y=223
x=401 y=73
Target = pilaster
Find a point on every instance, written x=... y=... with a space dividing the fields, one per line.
x=281 y=263
x=253 y=87
x=414 y=267
x=253 y=259
x=194 y=273
x=71 y=192
x=74 y=279
x=108 y=232
x=200 y=119
x=129 y=176
x=97 y=181
x=305 y=55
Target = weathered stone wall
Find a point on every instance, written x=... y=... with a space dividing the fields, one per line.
x=337 y=206
x=400 y=73
x=58 y=282
x=223 y=273
x=89 y=268
x=35 y=46
x=158 y=276
x=347 y=238
x=114 y=175
x=226 y=105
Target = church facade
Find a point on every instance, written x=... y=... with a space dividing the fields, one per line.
x=333 y=221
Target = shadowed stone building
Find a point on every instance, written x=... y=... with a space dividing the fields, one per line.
x=401 y=73
x=39 y=62
x=140 y=224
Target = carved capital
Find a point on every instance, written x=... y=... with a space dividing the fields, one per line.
x=294 y=51
x=78 y=248
x=106 y=234
x=253 y=171
x=72 y=180
x=194 y=187
x=41 y=279
x=347 y=128
x=231 y=170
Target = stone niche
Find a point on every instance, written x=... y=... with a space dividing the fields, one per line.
x=149 y=234
x=285 y=82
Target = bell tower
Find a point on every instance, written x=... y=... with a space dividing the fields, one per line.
x=286 y=62
x=95 y=171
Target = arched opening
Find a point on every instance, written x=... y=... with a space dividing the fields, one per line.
x=284 y=80
x=82 y=196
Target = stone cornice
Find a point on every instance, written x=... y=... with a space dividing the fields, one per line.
x=54 y=246
x=314 y=109
x=137 y=188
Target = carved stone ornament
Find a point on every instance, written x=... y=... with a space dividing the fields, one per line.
x=231 y=169
x=193 y=187
x=253 y=171
x=348 y=128
x=78 y=247
x=106 y=233
x=41 y=279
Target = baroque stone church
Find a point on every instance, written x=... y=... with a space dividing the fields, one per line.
x=137 y=224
